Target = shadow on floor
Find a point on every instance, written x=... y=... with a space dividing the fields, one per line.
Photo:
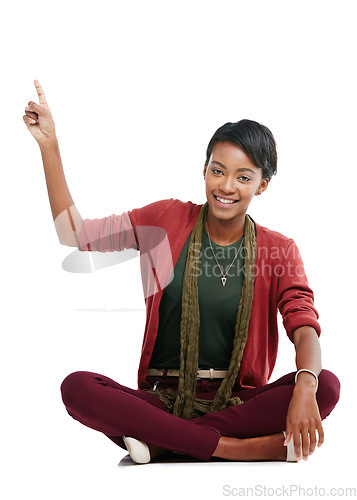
x=173 y=457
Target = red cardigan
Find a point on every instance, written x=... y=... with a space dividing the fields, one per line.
x=159 y=231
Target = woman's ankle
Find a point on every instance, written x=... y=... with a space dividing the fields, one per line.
x=156 y=451
x=270 y=447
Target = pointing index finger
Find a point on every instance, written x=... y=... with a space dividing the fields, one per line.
x=41 y=94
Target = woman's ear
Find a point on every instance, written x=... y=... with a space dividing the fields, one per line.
x=263 y=185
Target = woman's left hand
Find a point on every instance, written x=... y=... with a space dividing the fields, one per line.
x=302 y=422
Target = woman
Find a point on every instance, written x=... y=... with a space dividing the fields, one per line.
x=213 y=282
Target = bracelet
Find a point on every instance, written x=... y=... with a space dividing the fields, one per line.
x=308 y=371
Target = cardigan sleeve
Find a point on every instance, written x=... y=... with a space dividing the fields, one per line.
x=109 y=234
x=138 y=229
x=295 y=299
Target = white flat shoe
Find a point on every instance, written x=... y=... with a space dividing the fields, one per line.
x=291 y=457
x=138 y=450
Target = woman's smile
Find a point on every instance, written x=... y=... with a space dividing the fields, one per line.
x=224 y=202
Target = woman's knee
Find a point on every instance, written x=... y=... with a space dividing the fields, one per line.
x=73 y=386
x=328 y=391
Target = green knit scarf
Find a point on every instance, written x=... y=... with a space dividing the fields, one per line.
x=183 y=402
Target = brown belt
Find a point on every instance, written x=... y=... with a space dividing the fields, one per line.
x=211 y=373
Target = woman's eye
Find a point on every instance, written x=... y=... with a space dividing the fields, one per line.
x=243 y=177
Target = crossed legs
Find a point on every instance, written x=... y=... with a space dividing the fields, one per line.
x=106 y=406
x=116 y=410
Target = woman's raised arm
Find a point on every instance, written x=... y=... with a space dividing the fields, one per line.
x=39 y=121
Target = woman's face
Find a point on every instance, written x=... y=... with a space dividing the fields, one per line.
x=231 y=175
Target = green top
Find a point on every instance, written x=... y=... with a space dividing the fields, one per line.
x=218 y=307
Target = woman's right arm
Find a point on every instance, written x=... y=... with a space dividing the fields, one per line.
x=39 y=121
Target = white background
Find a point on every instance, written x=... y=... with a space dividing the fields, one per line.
x=136 y=90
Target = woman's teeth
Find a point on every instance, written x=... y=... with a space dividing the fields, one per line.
x=222 y=200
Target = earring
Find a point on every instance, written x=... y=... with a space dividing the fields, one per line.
x=259 y=193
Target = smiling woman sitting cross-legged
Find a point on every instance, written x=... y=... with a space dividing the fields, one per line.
x=214 y=280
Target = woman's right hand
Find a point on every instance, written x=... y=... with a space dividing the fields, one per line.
x=38 y=118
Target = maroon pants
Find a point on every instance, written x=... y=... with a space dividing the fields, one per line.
x=115 y=410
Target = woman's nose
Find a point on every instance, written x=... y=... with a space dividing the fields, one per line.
x=227 y=184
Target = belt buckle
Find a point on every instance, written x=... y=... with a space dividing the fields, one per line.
x=211 y=373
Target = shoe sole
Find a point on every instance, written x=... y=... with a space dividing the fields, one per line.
x=291 y=457
x=138 y=450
